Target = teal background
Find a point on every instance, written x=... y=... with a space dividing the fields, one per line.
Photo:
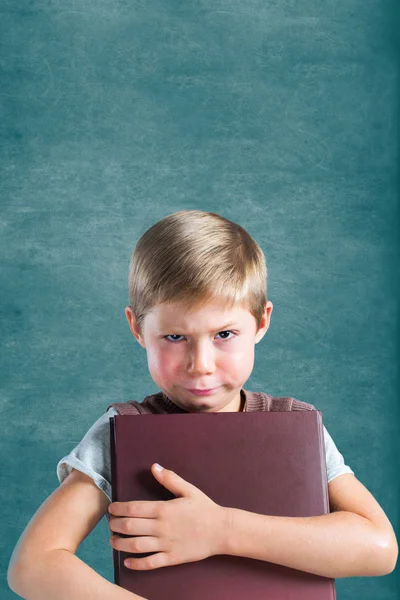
x=281 y=116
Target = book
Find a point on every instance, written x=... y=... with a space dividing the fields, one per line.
x=271 y=463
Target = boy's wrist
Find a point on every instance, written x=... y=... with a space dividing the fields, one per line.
x=224 y=531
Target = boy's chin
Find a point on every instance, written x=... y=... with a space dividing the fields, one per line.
x=211 y=403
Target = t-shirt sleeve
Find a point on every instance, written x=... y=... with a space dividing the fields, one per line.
x=92 y=455
x=335 y=464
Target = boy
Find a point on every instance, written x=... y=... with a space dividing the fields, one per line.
x=194 y=277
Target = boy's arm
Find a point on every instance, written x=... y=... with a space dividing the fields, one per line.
x=44 y=566
x=355 y=540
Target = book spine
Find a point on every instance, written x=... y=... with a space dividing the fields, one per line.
x=114 y=495
x=324 y=480
x=324 y=476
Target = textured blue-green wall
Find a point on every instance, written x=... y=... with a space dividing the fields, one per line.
x=279 y=115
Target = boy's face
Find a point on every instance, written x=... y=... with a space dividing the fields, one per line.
x=196 y=349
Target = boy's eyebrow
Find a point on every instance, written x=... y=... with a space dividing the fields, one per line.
x=175 y=327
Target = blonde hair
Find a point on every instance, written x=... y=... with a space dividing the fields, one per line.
x=194 y=257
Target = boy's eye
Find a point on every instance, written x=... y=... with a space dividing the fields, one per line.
x=166 y=337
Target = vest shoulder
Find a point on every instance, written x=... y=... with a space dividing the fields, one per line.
x=152 y=404
x=267 y=402
x=301 y=405
x=290 y=403
x=130 y=407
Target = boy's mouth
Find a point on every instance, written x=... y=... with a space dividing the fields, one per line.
x=201 y=392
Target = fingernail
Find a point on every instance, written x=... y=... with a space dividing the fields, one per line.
x=158 y=467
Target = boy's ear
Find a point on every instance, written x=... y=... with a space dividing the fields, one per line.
x=133 y=326
x=265 y=321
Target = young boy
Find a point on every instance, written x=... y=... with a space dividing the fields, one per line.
x=198 y=305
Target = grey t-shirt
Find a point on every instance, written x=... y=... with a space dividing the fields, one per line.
x=92 y=456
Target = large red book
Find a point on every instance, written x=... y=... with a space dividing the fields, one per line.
x=271 y=463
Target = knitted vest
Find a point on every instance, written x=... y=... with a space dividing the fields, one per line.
x=253 y=401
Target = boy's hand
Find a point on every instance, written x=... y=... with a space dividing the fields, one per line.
x=188 y=528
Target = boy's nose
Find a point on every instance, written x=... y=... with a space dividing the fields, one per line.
x=200 y=361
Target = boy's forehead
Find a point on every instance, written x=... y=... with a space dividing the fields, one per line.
x=215 y=314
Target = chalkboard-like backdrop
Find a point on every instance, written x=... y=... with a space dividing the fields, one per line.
x=280 y=116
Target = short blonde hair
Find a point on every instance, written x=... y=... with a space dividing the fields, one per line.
x=194 y=257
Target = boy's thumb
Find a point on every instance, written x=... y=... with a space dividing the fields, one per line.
x=172 y=481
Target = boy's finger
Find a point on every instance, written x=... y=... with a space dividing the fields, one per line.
x=137 y=508
x=129 y=526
